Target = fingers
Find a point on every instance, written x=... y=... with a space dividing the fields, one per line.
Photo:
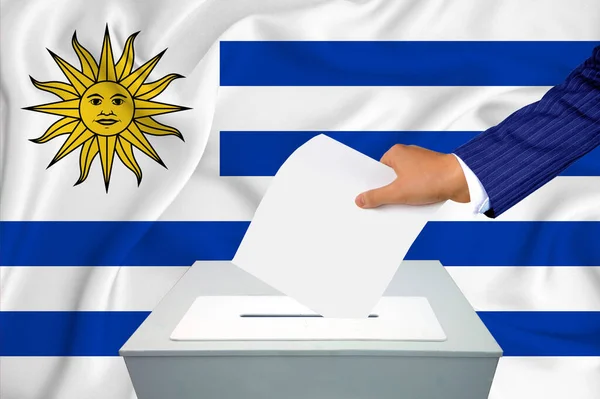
x=379 y=196
x=382 y=195
x=397 y=151
x=390 y=194
x=387 y=158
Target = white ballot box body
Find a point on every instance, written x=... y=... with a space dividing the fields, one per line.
x=306 y=357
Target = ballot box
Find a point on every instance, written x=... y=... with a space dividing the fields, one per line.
x=221 y=333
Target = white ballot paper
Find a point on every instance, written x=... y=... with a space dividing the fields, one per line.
x=310 y=241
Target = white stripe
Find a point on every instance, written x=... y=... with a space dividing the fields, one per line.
x=141 y=288
x=367 y=108
x=106 y=377
x=427 y=20
x=85 y=288
x=65 y=378
x=547 y=378
x=529 y=288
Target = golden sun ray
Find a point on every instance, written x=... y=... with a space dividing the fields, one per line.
x=134 y=136
x=125 y=63
x=63 y=90
x=150 y=90
x=106 y=147
x=79 y=136
x=150 y=126
x=106 y=69
x=87 y=61
x=69 y=108
x=78 y=80
x=106 y=108
x=125 y=153
x=134 y=81
x=62 y=126
x=86 y=156
x=145 y=108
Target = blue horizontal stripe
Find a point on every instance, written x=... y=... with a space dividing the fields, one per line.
x=182 y=243
x=417 y=63
x=103 y=333
x=545 y=333
x=262 y=153
x=66 y=333
x=117 y=243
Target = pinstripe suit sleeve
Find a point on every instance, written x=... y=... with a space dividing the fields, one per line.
x=537 y=142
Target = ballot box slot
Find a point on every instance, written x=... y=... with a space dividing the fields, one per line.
x=277 y=318
x=292 y=315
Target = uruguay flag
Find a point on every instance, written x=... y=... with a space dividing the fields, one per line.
x=158 y=159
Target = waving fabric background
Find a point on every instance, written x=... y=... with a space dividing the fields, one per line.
x=82 y=267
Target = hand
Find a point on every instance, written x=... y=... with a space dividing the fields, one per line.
x=423 y=177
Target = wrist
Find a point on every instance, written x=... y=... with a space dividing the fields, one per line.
x=456 y=186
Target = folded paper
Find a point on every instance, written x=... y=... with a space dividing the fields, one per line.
x=310 y=241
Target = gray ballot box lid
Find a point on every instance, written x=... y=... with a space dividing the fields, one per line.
x=466 y=334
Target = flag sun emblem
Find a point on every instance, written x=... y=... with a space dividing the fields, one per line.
x=106 y=108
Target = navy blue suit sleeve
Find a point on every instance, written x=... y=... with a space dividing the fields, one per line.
x=537 y=142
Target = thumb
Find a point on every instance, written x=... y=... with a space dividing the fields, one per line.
x=377 y=197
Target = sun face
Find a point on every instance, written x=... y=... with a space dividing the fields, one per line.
x=106 y=108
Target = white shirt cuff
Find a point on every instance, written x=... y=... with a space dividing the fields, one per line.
x=479 y=197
